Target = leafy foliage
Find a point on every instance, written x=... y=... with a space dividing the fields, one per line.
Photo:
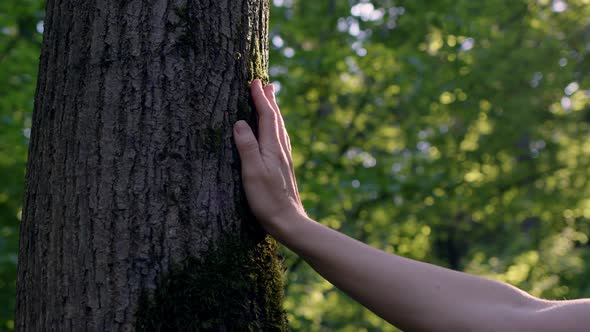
x=454 y=132
x=19 y=54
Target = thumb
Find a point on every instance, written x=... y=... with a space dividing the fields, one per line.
x=247 y=146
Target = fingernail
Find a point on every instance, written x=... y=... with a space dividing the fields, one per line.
x=272 y=88
x=241 y=127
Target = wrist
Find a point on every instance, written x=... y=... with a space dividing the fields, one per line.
x=287 y=227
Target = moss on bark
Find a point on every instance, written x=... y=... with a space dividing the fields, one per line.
x=236 y=286
x=258 y=67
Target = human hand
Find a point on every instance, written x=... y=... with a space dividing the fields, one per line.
x=267 y=167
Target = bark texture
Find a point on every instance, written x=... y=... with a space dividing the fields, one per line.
x=133 y=180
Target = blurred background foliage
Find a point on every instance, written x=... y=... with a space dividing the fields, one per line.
x=454 y=132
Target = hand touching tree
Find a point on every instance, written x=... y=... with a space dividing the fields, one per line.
x=267 y=167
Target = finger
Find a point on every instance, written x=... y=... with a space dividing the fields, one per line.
x=269 y=92
x=248 y=149
x=267 y=119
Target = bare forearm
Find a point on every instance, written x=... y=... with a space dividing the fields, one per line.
x=409 y=294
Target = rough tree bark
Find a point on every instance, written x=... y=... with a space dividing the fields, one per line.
x=134 y=216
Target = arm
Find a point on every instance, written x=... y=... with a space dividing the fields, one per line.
x=409 y=294
x=416 y=296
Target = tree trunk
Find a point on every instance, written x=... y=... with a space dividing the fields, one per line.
x=134 y=215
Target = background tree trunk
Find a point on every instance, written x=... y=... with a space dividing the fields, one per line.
x=134 y=216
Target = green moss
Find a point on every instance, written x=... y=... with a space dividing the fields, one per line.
x=258 y=67
x=236 y=286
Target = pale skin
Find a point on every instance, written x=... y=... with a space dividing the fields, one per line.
x=412 y=295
